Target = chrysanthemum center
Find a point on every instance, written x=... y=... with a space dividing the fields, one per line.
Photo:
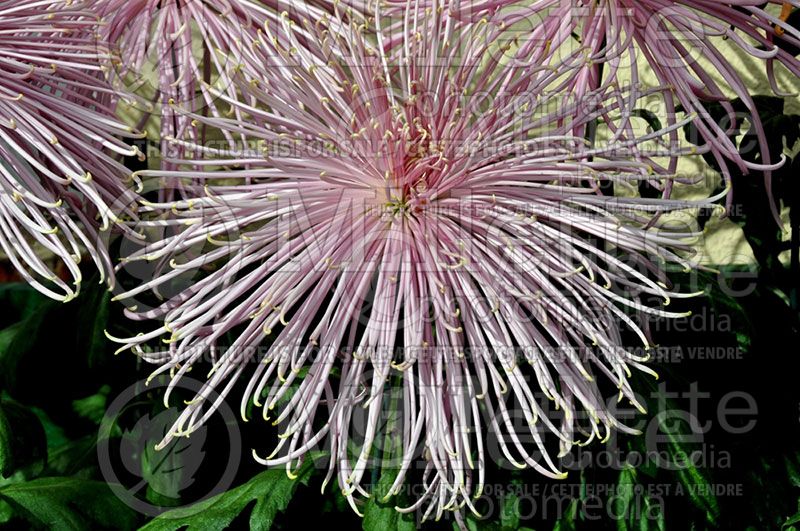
x=411 y=200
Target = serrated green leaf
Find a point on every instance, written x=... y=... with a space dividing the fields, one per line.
x=169 y=470
x=68 y=503
x=272 y=490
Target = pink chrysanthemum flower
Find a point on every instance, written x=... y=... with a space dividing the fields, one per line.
x=679 y=40
x=61 y=180
x=416 y=225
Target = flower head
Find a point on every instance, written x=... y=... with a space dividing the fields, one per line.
x=417 y=224
x=61 y=180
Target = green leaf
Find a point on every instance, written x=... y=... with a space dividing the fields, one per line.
x=67 y=456
x=271 y=490
x=6 y=512
x=92 y=407
x=17 y=341
x=792 y=470
x=18 y=302
x=567 y=520
x=694 y=481
x=647 y=521
x=792 y=520
x=92 y=314
x=66 y=338
x=67 y=503
x=635 y=509
x=509 y=512
x=7 y=336
x=169 y=470
x=624 y=497
x=699 y=490
x=382 y=516
x=22 y=438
